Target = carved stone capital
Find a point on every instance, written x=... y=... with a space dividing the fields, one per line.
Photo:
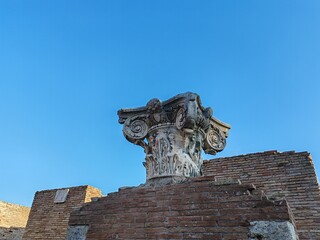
x=173 y=134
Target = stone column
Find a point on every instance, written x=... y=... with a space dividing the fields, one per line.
x=173 y=134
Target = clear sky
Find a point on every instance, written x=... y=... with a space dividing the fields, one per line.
x=66 y=67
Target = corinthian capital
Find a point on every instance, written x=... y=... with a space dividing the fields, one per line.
x=173 y=133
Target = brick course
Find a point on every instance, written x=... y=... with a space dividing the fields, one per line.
x=197 y=209
x=213 y=206
x=288 y=175
x=49 y=220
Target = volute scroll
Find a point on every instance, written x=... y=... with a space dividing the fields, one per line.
x=173 y=134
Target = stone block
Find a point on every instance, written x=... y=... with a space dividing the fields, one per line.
x=272 y=230
x=77 y=232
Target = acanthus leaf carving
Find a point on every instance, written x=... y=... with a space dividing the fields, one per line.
x=173 y=133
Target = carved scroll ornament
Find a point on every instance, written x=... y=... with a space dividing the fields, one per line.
x=173 y=133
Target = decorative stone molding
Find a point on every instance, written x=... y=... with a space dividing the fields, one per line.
x=173 y=133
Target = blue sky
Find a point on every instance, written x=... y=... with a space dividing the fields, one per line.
x=66 y=67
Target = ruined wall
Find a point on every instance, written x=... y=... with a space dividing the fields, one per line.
x=199 y=209
x=287 y=175
x=49 y=219
x=13 y=215
x=13 y=219
x=11 y=233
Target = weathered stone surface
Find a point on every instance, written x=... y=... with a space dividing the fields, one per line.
x=173 y=134
x=13 y=215
x=226 y=181
x=13 y=219
x=271 y=230
x=12 y=233
x=61 y=195
x=77 y=232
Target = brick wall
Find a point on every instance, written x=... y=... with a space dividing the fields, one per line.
x=199 y=209
x=278 y=175
x=49 y=220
